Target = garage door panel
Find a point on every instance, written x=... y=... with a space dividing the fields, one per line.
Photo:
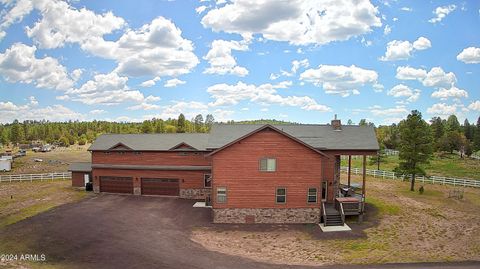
x=116 y=184
x=160 y=186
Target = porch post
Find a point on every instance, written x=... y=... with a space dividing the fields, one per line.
x=364 y=174
x=349 y=169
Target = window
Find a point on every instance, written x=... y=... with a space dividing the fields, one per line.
x=312 y=195
x=268 y=165
x=207 y=180
x=183 y=153
x=324 y=190
x=107 y=152
x=137 y=152
x=281 y=195
x=221 y=195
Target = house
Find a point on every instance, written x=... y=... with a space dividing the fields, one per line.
x=251 y=173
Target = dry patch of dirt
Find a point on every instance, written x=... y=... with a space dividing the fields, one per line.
x=411 y=228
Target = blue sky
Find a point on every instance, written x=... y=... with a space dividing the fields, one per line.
x=301 y=61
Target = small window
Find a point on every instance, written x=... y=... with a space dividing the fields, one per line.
x=137 y=152
x=221 y=195
x=121 y=152
x=268 y=165
x=207 y=179
x=107 y=152
x=281 y=195
x=183 y=153
x=312 y=195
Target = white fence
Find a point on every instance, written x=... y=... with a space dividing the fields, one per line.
x=431 y=179
x=36 y=177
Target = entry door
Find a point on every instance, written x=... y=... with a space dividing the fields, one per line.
x=86 y=179
x=324 y=190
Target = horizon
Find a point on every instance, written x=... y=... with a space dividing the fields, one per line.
x=134 y=61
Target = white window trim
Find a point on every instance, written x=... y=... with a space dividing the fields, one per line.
x=217 y=194
x=308 y=195
x=276 y=195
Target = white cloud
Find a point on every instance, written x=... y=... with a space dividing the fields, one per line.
x=407 y=9
x=401 y=90
x=436 y=77
x=340 y=79
x=107 y=89
x=150 y=82
x=422 y=43
x=395 y=111
x=173 y=83
x=475 y=106
x=200 y=9
x=97 y=111
x=443 y=110
x=470 y=55
x=387 y=30
x=228 y=95
x=453 y=92
x=19 y=64
x=221 y=60
x=19 y=9
x=441 y=13
x=297 y=22
x=409 y=73
x=189 y=109
x=296 y=64
x=402 y=50
x=377 y=87
x=60 y=23
x=30 y=111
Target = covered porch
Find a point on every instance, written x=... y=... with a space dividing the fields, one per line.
x=349 y=197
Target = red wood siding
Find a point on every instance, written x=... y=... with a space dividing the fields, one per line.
x=187 y=179
x=150 y=158
x=78 y=179
x=237 y=169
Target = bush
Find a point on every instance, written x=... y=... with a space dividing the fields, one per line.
x=421 y=190
x=82 y=141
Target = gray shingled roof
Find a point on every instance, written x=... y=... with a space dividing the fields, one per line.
x=149 y=142
x=80 y=167
x=351 y=137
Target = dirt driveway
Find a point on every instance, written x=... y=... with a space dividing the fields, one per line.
x=115 y=231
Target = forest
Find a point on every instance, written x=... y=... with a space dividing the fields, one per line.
x=447 y=135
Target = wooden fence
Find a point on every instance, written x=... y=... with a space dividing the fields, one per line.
x=461 y=182
x=36 y=177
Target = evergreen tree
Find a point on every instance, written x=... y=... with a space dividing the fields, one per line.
x=476 y=136
x=415 y=146
x=467 y=130
x=363 y=122
x=181 y=124
x=452 y=124
x=209 y=120
x=438 y=129
x=349 y=122
x=146 y=127
x=16 y=133
x=198 y=123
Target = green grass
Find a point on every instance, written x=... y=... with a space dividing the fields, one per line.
x=383 y=207
x=450 y=165
x=26 y=213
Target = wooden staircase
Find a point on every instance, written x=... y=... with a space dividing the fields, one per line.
x=331 y=216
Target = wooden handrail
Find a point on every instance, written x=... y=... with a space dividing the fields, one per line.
x=342 y=213
x=324 y=214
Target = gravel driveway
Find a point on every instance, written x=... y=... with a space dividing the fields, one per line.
x=120 y=231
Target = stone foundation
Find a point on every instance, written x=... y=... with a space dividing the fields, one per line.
x=96 y=189
x=196 y=194
x=266 y=215
x=137 y=190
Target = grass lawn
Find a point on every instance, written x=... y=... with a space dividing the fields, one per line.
x=20 y=200
x=401 y=226
x=448 y=166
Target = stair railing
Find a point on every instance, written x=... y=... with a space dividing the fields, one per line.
x=324 y=212
x=342 y=213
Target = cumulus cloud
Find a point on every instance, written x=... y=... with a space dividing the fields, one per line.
x=297 y=22
x=390 y=112
x=475 y=106
x=173 y=83
x=340 y=79
x=221 y=60
x=200 y=9
x=402 y=50
x=436 y=77
x=441 y=13
x=60 y=24
x=227 y=95
x=150 y=82
x=387 y=30
x=30 y=111
x=470 y=55
x=108 y=89
x=189 y=109
x=296 y=65
x=452 y=92
x=15 y=14
x=19 y=64
x=443 y=110
x=401 y=90
x=409 y=73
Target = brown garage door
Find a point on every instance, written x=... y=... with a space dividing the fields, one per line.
x=116 y=184
x=160 y=186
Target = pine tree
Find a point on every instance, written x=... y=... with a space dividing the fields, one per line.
x=209 y=120
x=198 y=121
x=181 y=124
x=476 y=136
x=467 y=130
x=415 y=146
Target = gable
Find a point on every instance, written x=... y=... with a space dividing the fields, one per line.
x=268 y=128
x=119 y=147
x=183 y=146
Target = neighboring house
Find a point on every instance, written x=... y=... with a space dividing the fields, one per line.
x=250 y=172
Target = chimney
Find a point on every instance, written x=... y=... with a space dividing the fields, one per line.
x=336 y=124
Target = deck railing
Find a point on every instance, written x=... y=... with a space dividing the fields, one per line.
x=36 y=177
x=460 y=182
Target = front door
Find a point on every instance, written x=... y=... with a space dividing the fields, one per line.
x=324 y=190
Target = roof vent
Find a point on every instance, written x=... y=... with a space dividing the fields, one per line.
x=336 y=124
